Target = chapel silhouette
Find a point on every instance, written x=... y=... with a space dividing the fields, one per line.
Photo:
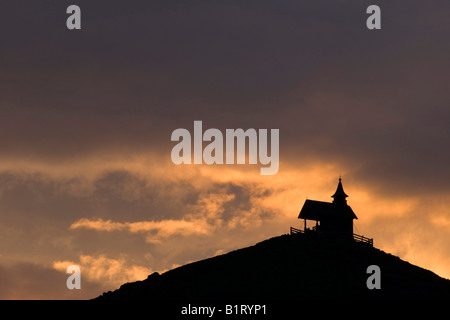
x=333 y=219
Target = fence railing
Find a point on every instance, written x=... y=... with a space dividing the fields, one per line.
x=295 y=230
x=356 y=237
x=359 y=238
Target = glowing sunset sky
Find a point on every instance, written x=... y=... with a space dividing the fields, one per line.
x=86 y=118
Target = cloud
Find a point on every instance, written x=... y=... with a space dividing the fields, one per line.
x=108 y=271
x=202 y=218
x=156 y=230
x=27 y=280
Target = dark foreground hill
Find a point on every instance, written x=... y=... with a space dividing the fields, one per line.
x=290 y=267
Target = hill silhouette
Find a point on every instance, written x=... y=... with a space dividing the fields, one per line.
x=290 y=267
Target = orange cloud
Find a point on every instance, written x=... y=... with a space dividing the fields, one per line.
x=162 y=229
x=102 y=269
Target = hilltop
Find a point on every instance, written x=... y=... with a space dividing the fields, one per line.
x=290 y=267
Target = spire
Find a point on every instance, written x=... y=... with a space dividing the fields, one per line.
x=339 y=196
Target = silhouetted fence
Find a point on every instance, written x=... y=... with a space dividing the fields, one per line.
x=356 y=237
x=360 y=238
x=295 y=230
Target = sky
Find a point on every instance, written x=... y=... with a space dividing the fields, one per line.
x=86 y=118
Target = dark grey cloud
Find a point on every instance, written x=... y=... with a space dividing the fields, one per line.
x=134 y=73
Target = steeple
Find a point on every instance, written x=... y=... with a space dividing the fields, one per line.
x=339 y=196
